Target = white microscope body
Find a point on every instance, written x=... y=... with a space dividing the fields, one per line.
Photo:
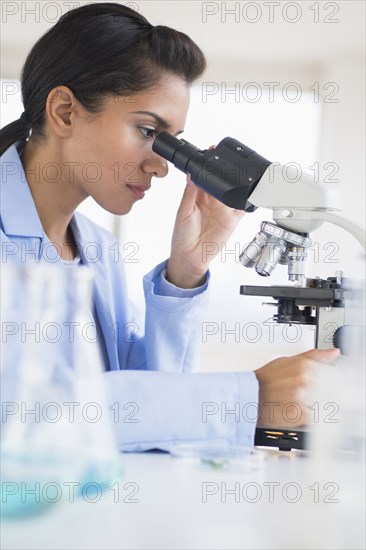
x=299 y=208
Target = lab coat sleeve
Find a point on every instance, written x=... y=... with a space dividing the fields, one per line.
x=166 y=336
x=190 y=408
x=173 y=323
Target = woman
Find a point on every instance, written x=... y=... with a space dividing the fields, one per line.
x=97 y=88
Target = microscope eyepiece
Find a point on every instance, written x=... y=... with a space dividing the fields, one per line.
x=167 y=145
x=230 y=172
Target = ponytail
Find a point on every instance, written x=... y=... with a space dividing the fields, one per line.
x=13 y=132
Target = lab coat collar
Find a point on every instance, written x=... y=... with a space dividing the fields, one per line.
x=101 y=294
x=20 y=218
x=18 y=211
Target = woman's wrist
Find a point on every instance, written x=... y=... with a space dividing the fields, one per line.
x=182 y=277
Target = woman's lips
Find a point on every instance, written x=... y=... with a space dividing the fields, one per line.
x=138 y=191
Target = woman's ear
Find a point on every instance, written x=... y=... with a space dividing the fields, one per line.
x=60 y=106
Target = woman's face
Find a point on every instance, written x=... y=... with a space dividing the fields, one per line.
x=112 y=150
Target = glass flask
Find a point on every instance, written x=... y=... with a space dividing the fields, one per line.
x=56 y=433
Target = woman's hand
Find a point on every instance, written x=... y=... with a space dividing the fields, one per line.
x=201 y=219
x=281 y=388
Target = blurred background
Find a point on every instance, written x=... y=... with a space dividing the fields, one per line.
x=285 y=78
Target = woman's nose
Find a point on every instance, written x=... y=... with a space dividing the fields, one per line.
x=156 y=165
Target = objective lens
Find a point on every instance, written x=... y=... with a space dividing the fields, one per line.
x=270 y=256
x=252 y=251
x=296 y=263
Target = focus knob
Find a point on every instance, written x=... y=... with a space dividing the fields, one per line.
x=348 y=339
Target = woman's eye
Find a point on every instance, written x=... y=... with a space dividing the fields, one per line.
x=147 y=132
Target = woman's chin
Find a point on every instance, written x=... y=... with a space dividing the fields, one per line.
x=117 y=209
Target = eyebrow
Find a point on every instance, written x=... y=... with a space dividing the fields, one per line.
x=161 y=121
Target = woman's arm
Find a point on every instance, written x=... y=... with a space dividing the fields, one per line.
x=201 y=220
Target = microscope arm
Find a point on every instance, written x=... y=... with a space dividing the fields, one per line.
x=355 y=230
x=299 y=204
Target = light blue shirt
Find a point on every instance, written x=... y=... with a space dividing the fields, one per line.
x=154 y=368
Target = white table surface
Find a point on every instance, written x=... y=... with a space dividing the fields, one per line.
x=169 y=511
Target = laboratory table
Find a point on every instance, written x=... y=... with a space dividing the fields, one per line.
x=270 y=499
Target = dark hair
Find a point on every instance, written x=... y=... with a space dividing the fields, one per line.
x=99 y=50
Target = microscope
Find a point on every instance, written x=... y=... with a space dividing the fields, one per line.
x=242 y=179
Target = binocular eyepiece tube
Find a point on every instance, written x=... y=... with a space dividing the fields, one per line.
x=230 y=172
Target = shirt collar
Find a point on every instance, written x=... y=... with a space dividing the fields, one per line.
x=18 y=211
